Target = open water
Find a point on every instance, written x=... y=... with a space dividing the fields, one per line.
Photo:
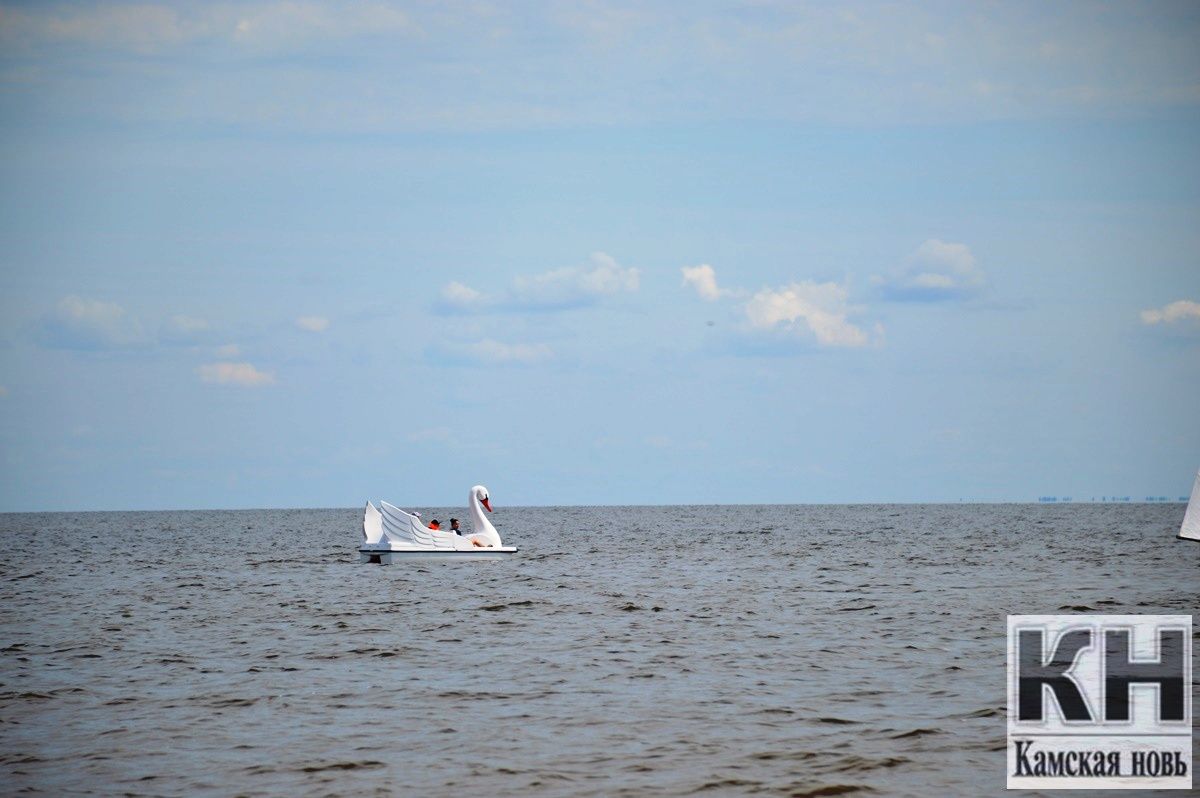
x=790 y=650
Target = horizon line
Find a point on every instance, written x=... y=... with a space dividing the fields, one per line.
x=604 y=504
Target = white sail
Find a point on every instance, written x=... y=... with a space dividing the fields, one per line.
x=1191 y=519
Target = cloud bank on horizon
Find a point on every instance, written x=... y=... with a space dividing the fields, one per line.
x=274 y=254
x=557 y=289
x=468 y=66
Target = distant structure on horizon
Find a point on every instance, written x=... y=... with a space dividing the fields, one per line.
x=1106 y=499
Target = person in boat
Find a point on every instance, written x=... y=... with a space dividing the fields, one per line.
x=435 y=524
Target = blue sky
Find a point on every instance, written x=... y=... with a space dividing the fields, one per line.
x=273 y=254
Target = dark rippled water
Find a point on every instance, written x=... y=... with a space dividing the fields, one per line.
x=801 y=650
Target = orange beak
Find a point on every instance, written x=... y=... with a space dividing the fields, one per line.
x=486 y=504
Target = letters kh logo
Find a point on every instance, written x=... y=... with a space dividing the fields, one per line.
x=1121 y=672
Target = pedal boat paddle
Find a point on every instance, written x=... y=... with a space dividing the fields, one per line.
x=391 y=534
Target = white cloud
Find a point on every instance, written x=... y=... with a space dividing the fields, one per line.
x=314 y=324
x=240 y=374
x=602 y=62
x=184 y=330
x=805 y=308
x=286 y=24
x=459 y=296
x=704 y=280
x=227 y=351
x=574 y=285
x=817 y=308
x=147 y=27
x=936 y=271
x=89 y=324
x=1179 y=312
x=140 y=27
x=558 y=289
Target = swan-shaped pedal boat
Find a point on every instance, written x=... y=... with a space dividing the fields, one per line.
x=391 y=534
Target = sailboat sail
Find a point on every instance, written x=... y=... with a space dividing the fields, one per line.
x=1191 y=519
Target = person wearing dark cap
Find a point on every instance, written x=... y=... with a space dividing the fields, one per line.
x=434 y=524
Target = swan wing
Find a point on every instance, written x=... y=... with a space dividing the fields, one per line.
x=404 y=528
x=445 y=539
x=421 y=533
x=407 y=530
x=372 y=524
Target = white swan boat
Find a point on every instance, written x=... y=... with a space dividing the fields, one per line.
x=1190 y=530
x=391 y=534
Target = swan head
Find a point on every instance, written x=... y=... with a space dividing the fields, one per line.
x=480 y=494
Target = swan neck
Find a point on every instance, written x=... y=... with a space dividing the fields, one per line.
x=480 y=525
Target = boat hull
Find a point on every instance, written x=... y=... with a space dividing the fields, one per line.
x=390 y=556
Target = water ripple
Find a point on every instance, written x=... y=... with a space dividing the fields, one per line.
x=815 y=651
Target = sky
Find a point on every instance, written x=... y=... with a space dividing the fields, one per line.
x=302 y=254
